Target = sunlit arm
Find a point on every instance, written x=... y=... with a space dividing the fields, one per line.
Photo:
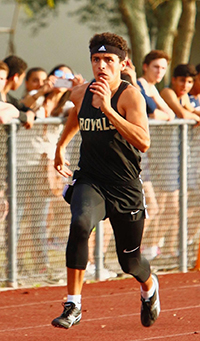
x=70 y=129
x=134 y=126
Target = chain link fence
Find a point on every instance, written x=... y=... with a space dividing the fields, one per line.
x=35 y=219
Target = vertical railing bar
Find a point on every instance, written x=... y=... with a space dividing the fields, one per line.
x=12 y=199
x=183 y=198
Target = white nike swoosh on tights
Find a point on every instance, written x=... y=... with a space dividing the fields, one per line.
x=129 y=251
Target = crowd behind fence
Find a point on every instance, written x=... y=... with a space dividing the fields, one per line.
x=35 y=219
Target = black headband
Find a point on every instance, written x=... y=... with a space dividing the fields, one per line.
x=108 y=49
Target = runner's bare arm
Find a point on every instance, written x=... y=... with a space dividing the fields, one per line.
x=134 y=128
x=70 y=129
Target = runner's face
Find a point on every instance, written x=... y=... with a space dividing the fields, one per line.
x=107 y=66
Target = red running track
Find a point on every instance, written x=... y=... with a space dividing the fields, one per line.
x=111 y=312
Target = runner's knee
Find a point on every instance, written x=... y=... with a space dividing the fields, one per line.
x=80 y=227
x=136 y=265
x=130 y=265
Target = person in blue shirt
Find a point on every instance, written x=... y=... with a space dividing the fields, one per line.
x=193 y=172
x=194 y=94
x=154 y=69
x=177 y=98
x=155 y=65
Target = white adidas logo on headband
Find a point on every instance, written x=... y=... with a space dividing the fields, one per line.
x=102 y=48
x=108 y=49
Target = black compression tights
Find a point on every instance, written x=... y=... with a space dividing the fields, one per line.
x=88 y=208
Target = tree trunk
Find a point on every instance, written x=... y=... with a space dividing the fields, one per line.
x=134 y=17
x=186 y=30
x=168 y=15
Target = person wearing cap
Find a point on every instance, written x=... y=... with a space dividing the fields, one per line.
x=111 y=116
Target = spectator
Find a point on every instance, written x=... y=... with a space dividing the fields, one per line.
x=3 y=202
x=57 y=103
x=154 y=68
x=42 y=189
x=176 y=96
x=4 y=207
x=35 y=79
x=194 y=93
x=129 y=74
x=7 y=111
x=17 y=68
x=37 y=85
x=193 y=172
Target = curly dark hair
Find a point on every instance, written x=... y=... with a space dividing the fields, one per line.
x=184 y=70
x=108 y=38
x=198 y=68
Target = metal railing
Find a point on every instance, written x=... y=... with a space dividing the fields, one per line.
x=182 y=129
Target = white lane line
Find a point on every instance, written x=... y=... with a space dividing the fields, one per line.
x=29 y=304
x=135 y=292
x=167 y=336
x=137 y=314
x=104 y=318
x=24 y=328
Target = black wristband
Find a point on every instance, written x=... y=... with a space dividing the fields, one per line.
x=22 y=117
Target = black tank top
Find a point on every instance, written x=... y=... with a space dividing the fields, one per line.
x=105 y=156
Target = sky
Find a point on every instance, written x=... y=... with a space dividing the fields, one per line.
x=64 y=40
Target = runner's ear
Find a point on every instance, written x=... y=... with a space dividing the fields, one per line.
x=123 y=65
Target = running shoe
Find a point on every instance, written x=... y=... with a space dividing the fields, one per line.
x=150 y=308
x=71 y=315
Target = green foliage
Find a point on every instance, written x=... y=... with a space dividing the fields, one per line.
x=38 y=11
x=97 y=14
